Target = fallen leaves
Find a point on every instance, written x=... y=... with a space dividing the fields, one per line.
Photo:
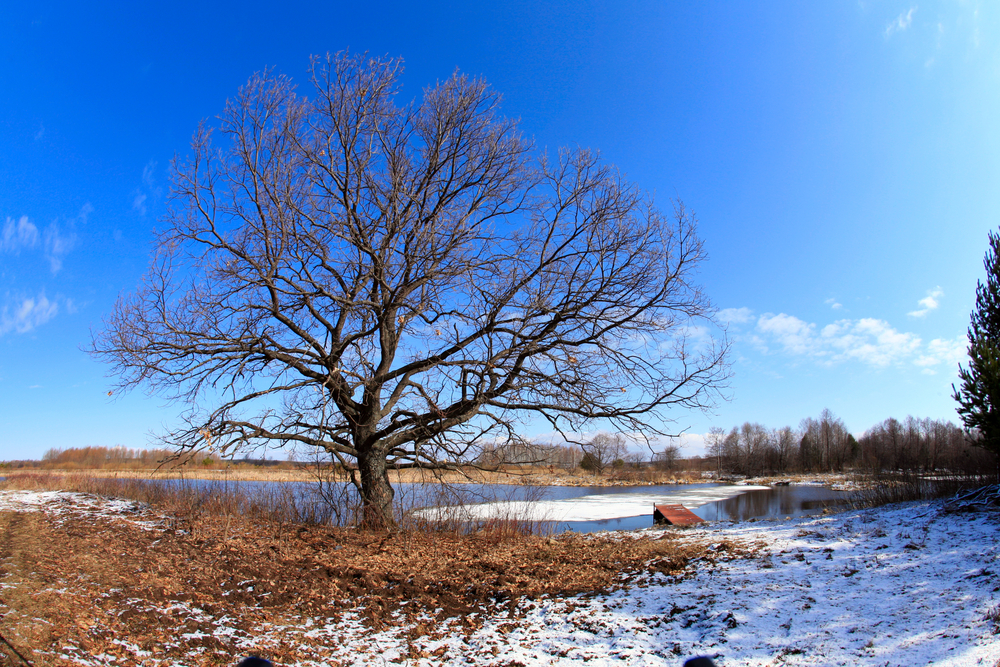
x=110 y=585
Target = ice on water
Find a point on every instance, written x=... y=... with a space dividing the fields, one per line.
x=596 y=507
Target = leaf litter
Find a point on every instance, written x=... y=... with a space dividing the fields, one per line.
x=86 y=580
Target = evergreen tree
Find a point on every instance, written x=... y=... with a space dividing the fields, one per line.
x=590 y=463
x=979 y=394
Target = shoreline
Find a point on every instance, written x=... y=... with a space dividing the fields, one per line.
x=97 y=576
x=514 y=477
x=519 y=477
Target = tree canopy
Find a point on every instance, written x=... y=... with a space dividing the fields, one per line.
x=402 y=284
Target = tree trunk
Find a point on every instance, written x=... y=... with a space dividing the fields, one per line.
x=376 y=492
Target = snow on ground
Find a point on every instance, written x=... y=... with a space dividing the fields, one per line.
x=902 y=585
x=585 y=508
x=64 y=504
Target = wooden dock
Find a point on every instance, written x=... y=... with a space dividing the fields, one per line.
x=675 y=515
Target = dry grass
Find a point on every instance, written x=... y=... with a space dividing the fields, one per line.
x=286 y=505
x=884 y=488
x=84 y=586
x=513 y=475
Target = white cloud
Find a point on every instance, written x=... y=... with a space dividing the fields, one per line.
x=901 y=23
x=953 y=351
x=735 y=315
x=833 y=304
x=25 y=314
x=691 y=444
x=147 y=173
x=147 y=189
x=929 y=302
x=943 y=351
x=59 y=243
x=18 y=234
x=794 y=335
x=870 y=341
x=139 y=203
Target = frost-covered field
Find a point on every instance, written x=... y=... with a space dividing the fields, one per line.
x=906 y=585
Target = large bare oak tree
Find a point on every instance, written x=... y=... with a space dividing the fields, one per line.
x=400 y=284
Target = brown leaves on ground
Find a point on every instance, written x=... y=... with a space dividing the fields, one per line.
x=78 y=585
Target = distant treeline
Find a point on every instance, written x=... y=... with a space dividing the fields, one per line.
x=104 y=457
x=817 y=445
x=529 y=453
x=825 y=445
x=126 y=458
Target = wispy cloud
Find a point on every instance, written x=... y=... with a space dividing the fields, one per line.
x=901 y=23
x=41 y=132
x=18 y=234
x=58 y=244
x=869 y=341
x=60 y=241
x=735 y=315
x=148 y=190
x=833 y=304
x=928 y=303
x=139 y=203
x=26 y=313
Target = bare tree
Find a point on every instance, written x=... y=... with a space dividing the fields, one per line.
x=601 y=451
x=399 y=284
x=634 y=460
x=754 y=443
x=785 y=440
x=715 y=441
x=667 y=458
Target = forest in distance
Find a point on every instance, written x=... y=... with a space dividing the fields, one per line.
x=825 y=445
x=822 y=444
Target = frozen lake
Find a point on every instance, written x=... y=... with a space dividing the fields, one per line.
x=582 y=509
x=587 y=509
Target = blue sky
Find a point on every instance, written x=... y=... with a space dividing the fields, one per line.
x=843 y=159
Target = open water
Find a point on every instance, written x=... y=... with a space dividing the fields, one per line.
x=590 y=509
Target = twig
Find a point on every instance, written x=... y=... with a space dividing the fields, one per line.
x=981 y=496
x=16 y=652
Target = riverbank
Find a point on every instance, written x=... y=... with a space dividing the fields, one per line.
x=521 y=475
x=90 y=581
x=515 y=476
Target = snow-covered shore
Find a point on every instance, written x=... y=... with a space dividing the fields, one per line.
x=911 y=584
x=905 y=585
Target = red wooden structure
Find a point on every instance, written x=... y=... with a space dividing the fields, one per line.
x=675 y=515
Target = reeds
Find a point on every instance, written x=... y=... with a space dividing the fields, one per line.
x=330 y=501
x=883 y=488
